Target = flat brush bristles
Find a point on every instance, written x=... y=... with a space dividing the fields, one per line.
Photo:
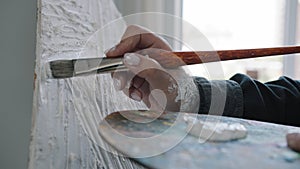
x=62 y=68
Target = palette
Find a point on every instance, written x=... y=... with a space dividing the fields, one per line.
x=163 y=142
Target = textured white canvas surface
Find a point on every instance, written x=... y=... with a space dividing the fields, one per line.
x=66 y=111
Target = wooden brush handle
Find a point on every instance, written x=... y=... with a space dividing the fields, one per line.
x=212 y=56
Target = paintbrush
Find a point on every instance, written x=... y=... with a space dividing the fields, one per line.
x=75 y=67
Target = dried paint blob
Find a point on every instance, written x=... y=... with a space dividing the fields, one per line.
x=216 y=131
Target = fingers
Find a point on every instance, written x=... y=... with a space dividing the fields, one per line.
x=135 y=94
x=139 y=91
x=145 y=72
x=126 y=45
x=293 y=140
x=132 y=85
x=142 y=70
x=120 y=79
x=142 y=66
x=150 y=40
x=137 y=82
x=137 y=38
x=149 y=82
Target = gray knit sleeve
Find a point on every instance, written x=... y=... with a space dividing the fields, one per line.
x=220 y=97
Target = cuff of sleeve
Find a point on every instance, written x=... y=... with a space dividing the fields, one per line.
x=188 y=95
x=220 y=97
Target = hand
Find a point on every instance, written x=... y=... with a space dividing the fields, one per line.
x=137 y=38
x=293 y=141
x=147 y=80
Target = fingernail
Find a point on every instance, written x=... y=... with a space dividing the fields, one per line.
x=132 y=59
x=135 y=96
x=117 y=84
x=110 y=50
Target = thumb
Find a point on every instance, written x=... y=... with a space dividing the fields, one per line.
x=293 y=140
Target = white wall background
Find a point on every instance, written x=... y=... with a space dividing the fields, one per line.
x=17 y=54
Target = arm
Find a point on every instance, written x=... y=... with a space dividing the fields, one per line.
x=277 y=101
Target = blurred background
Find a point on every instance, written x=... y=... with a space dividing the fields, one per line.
x=234 y=24
x=229 y=24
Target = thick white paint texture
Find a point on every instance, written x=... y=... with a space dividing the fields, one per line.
x=215 y=131
x=66 y=112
